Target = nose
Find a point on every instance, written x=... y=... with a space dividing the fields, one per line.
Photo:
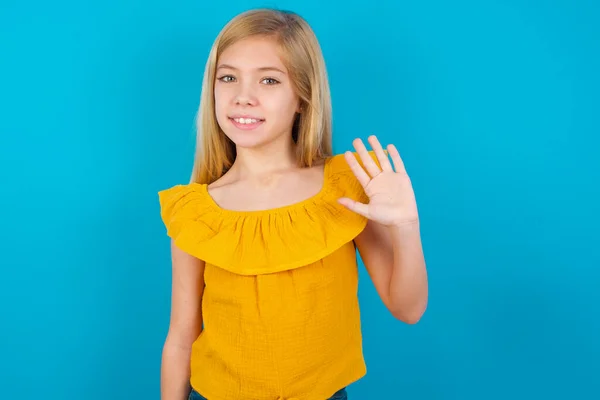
x=245 y=96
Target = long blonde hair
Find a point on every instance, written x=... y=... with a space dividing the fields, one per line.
x=302 y=56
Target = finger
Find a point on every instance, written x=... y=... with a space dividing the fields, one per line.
x=398 y=163
x=382 y=157
x=357 y=169
x=353 y=205
x=366 y=158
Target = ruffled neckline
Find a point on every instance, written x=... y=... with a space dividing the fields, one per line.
x=265 y=241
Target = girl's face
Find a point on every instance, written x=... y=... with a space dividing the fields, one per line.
x=255 y=103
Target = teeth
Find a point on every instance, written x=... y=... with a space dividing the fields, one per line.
x=245 y=120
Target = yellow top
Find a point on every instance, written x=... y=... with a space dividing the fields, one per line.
x=280 y=306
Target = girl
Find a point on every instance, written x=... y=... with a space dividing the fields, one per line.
x=264 y=237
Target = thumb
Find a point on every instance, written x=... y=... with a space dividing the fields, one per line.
x=357 y=207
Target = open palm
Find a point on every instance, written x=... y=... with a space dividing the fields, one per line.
x=391 y=196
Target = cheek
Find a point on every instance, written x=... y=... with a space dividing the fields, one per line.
x=219 y=98
x=221 y=105
x=283 y=104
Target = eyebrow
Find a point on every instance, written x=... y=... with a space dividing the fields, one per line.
x=227 y=66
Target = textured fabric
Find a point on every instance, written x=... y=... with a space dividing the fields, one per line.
x=280 y=307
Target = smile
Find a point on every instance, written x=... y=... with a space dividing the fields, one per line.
x=246 y=123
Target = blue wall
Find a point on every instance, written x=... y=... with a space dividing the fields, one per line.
x=494 y=106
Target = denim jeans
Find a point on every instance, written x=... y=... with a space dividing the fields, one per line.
x=339 y=395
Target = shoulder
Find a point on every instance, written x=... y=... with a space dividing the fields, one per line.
x=337 y=164
x=181 y=207
x=176 y=197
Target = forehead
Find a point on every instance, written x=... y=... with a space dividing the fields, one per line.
x=253 y=53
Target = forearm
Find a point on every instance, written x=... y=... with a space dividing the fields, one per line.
x=175 y=371
x=408 y=286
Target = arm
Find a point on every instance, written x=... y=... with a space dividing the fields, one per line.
x=394 y=259
x=390 y=244
x=185 y=324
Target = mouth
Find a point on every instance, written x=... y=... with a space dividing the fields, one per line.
x=246 y=123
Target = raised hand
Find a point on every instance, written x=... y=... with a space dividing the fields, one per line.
x=391 y=196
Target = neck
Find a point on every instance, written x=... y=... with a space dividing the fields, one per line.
x=258 y=163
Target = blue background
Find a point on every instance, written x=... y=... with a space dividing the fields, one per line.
x=494 y=106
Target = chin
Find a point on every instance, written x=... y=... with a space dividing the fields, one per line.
x=248 y=143
x=248 y=139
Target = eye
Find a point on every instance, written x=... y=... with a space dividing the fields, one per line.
x=226 y=78
x=270 y=81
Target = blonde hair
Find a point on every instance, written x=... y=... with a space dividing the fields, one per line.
x=302 y=56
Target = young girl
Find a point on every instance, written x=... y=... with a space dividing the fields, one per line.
x=264 y=237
